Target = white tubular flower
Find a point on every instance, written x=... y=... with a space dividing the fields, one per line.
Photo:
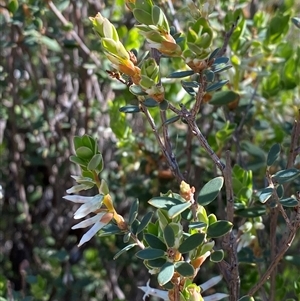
x=149 y=291
x=90 y=204
x=99 y=221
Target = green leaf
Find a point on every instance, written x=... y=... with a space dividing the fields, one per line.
x=156 y=263
x=180 y=74
x=164 y=202
x=171 y=120
x=125 y=249
x=169 y=236
x=166 y=273
x=95 y=163
x=224 y=97
x=84 y=152
x=154 y=242
x=163 y=105
x=286 y=175
x=217 y=256
x=149 y=253
x=110 y=229
x=210 y=191
x=184 y=269
x=78 y=161
x=296 y=21
x=273 y=154
x=144 y=222
x=157 y=16
x=150 y=103
x=280 y=191
x=191 y=243
x=142 y=16
x=216 y=86
x=50 y=43
x=137 y=90
x=289 y=202
x=265 y=194
x=253 y=149
x=130 y=109
x=197 y=225
x=133 y=211
x=219 y=228
x=177 y=209
x=126 y=237
x=251 y=212
x=214 y=54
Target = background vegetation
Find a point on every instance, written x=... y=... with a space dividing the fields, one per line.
x=54 y=85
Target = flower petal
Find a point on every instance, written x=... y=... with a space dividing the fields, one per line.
x=78 y=198
x=91 y=206
x=90 y=221
x=89 y=234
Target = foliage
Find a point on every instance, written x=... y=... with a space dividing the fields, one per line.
x=202 y=123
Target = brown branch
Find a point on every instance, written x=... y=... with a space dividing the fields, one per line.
x=229 y=241
x=294 y=142
x=170 y=159
x=285 y=244
x=190 y=119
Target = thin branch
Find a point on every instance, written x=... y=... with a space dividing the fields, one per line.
x=227 y=38
x=170 y=159
x=294 y=142
x=285 y=244
x=185 y=114
x=74 y=34
x=229 y=241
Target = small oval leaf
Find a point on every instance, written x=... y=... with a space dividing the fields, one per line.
x=166 y=273
x=289 y=202
x=133 y=211
x=273 y=154
x=191 y=243
x=144 y=222
x=217 y=256
x=184 y=269
x=210 y=191
x=95 y=162
x=251 y=212
x=154 y=242
x=216 y=86
x=265 y=194
x=84 y=152
x=130 y=109
x=149 y=253
x=219 y=228
x=224 y=97
x=177 y=209
x=164 y=202
x=127 y=248
x=287 y=175
x=169 y=236
x=180 y=74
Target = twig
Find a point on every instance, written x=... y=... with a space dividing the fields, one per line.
x=285 y=243
x=229 y=241
x=294 y=142
x=170 y=159
x=190 y=119
x=74 y=34
x=227 y=38
x=199 y=96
